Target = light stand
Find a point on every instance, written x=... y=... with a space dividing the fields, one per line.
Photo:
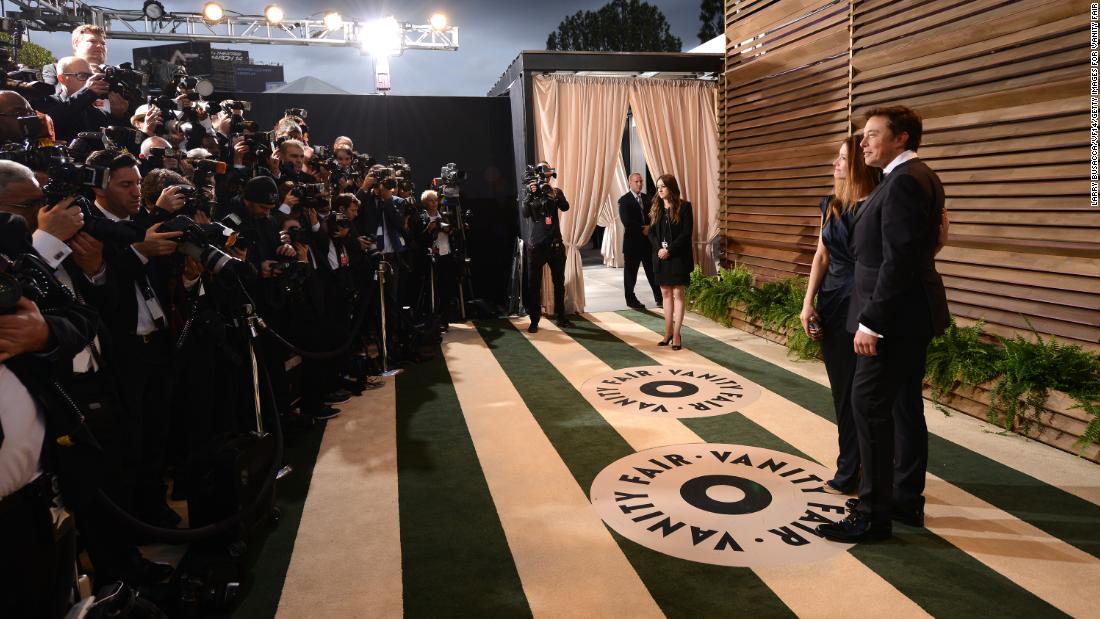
x=382 y=307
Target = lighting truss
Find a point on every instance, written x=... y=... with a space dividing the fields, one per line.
x=64 y=15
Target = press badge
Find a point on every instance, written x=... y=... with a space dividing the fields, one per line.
x=549 y=221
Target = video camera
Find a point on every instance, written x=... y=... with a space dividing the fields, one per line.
x=449 y=181
x=20 y=79
x=538 y=175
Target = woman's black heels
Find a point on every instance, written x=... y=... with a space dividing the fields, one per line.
x=664 y=342
x=677 y=346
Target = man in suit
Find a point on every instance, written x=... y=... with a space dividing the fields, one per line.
x=634 y=213
x=898 y=305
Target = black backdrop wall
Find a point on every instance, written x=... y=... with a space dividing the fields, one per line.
x=473 y=132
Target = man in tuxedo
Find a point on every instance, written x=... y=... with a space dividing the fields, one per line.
x=634 y=213
x=898 y=305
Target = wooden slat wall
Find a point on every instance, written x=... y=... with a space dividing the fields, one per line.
x=783 y=106
x=1003 y=89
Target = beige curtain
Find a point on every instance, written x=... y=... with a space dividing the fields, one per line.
x=578 y=128
x=612 y=247
x=678 y=128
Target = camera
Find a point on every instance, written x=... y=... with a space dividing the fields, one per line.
x=124 y=80
x=296 y=111
x=299 y=234
x=195 y=199
x=203 y=242
x=69 y=178
x=36 y=158
x=236 y=105
x=16 y=78
x=537 y=175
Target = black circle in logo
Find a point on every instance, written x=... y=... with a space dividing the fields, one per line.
x=653 y=388
x=756 y=498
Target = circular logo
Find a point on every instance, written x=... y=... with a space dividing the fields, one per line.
x=670 y=391
x=721 y=504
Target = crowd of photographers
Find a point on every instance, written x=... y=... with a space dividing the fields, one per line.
x=146 y=239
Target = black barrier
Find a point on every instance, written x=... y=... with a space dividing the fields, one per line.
x=473 y=132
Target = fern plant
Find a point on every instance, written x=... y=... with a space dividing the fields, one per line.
x=715 y=298
x=961 y=356
x=1029 y=370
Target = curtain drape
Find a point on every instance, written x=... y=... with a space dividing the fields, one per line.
x=578 y=128
x=678 y=128
x=612 y=247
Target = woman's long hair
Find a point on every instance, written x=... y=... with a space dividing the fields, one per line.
x=673 y=199
x=860 y=182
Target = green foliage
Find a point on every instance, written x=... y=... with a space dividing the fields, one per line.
x=775 y=303
x=34 y=56
x=960 y=357
x=799 y=345
x=712 y=18
x=1090 y=403
x=714 y=296
x=618 y=26
x=1029 y=370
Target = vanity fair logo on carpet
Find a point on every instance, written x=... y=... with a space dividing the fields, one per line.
x=721 y=504
x=670 y=391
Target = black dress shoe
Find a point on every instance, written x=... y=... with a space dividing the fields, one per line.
x=534 y=328
x=635 y=304
x=855 y=528
x=909 y=517
x=564 y=323
x=851 y=504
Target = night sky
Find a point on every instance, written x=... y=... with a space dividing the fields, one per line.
x=491 y=34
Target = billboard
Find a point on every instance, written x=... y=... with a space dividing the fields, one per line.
x=256 y=77
x=194 y=56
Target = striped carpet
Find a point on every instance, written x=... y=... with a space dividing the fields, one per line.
x=462 y=488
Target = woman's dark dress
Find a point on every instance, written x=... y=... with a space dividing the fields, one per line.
x=676 y=269
x=836 y=341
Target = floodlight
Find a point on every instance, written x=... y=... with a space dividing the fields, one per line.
x=439 y=21
x=274 y=14
x=152 y=9
x=382 y=37
x=333 y=21
x=213 y=12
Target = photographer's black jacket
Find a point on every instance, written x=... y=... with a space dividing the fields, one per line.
x=543 y=213
x=77 y=113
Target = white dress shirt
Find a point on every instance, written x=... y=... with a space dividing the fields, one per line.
x=442 y=241
x=24 y=433
x=905 y=155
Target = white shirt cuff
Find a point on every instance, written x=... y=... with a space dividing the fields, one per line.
x=52 y=249
x=284 y=208
x=315 y=227
x=863 y=329
x=99 y=278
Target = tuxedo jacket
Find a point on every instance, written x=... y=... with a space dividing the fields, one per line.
x=634 y=217
x=897 y=291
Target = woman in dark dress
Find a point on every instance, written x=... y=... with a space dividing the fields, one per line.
x=831 y=276
x=670 y=236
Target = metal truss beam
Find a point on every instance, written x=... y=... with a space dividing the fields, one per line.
x=64 y=15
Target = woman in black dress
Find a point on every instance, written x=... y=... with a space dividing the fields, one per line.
x=831 y=274
x=670 y=236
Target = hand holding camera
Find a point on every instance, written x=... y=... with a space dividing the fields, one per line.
x=23 y=330
x=172 y=199
x=87 y=253
x=62 y=220
x=98 y=84
x=157 y=243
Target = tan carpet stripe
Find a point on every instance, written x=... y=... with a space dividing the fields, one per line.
x=568 y=562
x=1048 y=567
x=347 y=556
x=800 y=587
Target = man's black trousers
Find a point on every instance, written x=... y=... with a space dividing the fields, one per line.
x=889 y=416
x=630 y=274
x=554 y=256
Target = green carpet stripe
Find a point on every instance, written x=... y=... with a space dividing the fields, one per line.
x=1048 y=508
x=454 y=555
x=586 y=443
x=930 y=571
x=268 y=558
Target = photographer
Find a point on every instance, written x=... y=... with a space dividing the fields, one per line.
x=74 y=109
x=12 y=107
x=139 y=327
x=436 y=232
x=35 y=349
x=541 y=206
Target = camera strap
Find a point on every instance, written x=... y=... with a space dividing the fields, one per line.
x=151 y=302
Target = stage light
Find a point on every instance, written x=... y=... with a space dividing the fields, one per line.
x=439 y=21
x=274 y=14
x=213 y=12
x=333 y=21
x=152 y=9
x=382 y=37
